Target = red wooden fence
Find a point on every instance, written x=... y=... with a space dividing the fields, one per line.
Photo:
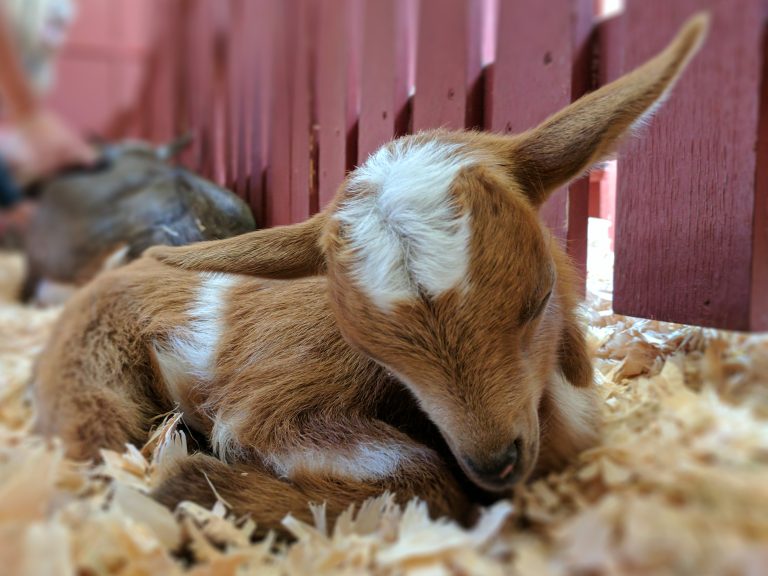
x=285 y=96
x=691 y=241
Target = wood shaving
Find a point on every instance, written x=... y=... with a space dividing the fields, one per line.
x=678 y=485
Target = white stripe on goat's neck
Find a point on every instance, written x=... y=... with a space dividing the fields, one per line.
x=190 y=354
x=576 y=407
x=402 y=223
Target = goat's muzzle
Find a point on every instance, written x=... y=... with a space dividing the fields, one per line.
x=501 y=471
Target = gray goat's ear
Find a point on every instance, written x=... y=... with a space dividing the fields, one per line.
x=174 y=147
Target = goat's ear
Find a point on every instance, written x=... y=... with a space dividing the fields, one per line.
x=588 y=130
x=281 y=252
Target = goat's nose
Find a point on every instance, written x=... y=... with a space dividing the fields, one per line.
x=503 y=469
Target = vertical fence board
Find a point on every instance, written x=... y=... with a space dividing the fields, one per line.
x=687 y=189
x=582 y=28
x=532 y=78
x=301 y=121
x=277 y=205
x=384 y=77
x=187 y=75
x=542 y=64
x=532 y=72
x=336 y=94
x=219 y=14
x=259 y=57
x=236 y=81
x=353 y=32
x=758 y=319
x=610 y=38
x=183 y=97
x=202 y=62
x=162 y=101
x=475 y=78
x=447 y=64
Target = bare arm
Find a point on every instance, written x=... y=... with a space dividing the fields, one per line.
x=39 y=142
x=18 y=96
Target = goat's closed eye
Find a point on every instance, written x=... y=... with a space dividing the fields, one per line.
x=534 y=311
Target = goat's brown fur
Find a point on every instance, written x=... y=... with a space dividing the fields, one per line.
x=313 y=366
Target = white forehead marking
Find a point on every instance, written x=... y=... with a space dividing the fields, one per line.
x=403 y=225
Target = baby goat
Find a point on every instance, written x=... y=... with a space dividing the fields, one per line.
x=417 y=336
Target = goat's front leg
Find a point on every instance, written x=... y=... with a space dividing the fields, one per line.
x=267 y=492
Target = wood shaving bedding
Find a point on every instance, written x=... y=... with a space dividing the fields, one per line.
x=679 y=484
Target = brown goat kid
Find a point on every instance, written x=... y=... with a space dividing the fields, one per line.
x=418 y=336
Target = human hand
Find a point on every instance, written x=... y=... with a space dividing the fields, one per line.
x=41 y=144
